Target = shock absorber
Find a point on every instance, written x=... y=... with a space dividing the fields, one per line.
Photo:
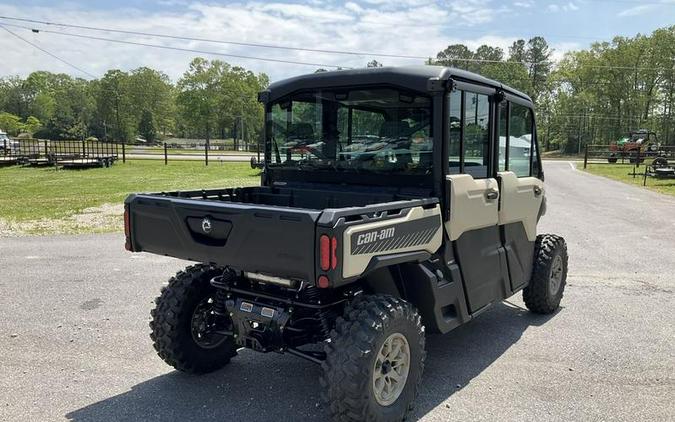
x=312 y=294
x=221 y=295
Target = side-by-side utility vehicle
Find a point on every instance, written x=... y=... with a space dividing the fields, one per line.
x=394 y=202
x=636 y=146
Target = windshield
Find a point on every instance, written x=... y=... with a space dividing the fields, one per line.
x=379 y=130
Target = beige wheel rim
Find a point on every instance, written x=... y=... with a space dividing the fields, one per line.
x=556 y=277
x=391 y=368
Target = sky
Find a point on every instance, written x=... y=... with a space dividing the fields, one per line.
x=401 y=27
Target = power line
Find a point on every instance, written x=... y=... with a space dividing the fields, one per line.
x=361 y=21
x=356 y=53
x=249 y=44
x=49 y=53
x=165 y=47
x=270 y=46
x=256 y=45
x=209 y=40
x=594 y=117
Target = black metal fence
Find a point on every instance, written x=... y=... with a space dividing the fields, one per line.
x=656 y=162
x=205 y=152
x=97 y=153
x=604 y=154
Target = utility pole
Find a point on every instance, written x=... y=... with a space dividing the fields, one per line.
x=242 y=127
x=548 y=129
x=579 y=137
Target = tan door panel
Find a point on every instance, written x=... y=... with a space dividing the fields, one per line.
x=473 y=204
x=520 y=201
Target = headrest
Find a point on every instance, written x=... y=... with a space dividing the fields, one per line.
x=301 y=131
x=395 y=129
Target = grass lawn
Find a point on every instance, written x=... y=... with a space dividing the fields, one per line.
x=621 y=172
x=37 y=194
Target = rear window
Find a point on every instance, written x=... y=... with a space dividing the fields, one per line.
x=379 y=130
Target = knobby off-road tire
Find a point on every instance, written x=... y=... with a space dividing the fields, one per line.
x=172 y=323
x=354 y=360
x=549 y=275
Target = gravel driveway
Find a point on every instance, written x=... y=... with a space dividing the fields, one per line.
x=74 y=336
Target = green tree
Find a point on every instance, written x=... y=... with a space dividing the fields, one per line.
x=198 y=96
x=488 y=61
x=31 y=125
x=146 y=126
x=517 y=51
x=214 y=98
x=114 y=107
x=456 y=55
x=538 y=56
x=10 y=123
x=151 y=90
x=12 y=97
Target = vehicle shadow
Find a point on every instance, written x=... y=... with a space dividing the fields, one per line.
x=257 y=387
x=454 y=359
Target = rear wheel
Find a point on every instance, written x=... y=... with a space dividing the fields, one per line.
x=374 y=360
x=186 y=331
x=549 y=275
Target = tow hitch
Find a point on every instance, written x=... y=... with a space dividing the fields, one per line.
x=264 y=322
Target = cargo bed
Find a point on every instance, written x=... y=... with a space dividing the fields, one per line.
x=271 y=230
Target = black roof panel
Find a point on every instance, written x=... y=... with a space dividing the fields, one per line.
x=412 y=77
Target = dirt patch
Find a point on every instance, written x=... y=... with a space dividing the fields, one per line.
x=105 y=218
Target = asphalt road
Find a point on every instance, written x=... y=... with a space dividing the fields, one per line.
x=74 y=336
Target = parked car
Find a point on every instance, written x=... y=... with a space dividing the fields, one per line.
x=7 y=145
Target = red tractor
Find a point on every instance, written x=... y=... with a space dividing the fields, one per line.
x=636 y=146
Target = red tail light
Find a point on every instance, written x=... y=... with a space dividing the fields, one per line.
x=333 y=253
x=127 y=229
x=323 y=282
x=324 y=252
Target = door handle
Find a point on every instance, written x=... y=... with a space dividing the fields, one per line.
x=491 y=195
x=537 y=191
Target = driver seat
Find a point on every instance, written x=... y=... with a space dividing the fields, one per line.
x=399 y=130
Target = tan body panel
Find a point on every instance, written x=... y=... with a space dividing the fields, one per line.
x=470 y=209
x=355 y=264
x=518 y=201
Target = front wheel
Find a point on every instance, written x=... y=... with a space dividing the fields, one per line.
x=186 y=331
x=549 y=275
x=374 y=360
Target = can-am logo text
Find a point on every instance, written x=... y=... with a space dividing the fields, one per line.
x=374 y=236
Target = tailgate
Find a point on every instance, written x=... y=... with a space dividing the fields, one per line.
x=256 y=238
